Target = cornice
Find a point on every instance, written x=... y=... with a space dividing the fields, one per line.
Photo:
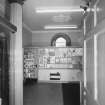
x=56 y=31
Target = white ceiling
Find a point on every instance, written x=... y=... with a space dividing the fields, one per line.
x=37 y=21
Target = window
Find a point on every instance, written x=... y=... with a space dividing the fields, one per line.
x=60 y=42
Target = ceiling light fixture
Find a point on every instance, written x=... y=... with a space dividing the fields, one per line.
x=62 y=18
x=58 y=10
x=61 y=27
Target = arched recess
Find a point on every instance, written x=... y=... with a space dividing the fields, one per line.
x=61 y=35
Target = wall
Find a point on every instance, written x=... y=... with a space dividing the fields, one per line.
x=4 y=70
x=5 y=12
x=90 y=65
x=101 y=68
x=2 y=7
x=95 y=64
x=89 y=22
x=43 y=38
x=27 y=37
x=95 y=53
x=101 y=13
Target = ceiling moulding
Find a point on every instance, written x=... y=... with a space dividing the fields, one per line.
x=56 y=31
x=26 y=27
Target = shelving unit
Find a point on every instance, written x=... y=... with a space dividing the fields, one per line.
x=60 y=58
x=30 y=63
x=53 y=63
x=60 y=64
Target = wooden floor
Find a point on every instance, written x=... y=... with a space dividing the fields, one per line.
x=50 y=94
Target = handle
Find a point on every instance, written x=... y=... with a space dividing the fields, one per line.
x=55 y=76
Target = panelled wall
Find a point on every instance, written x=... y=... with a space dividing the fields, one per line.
x=90 y=64
x=95 y=57
x=43 y=38
x=101 y=68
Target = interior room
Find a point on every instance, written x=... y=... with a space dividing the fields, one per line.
x=52 y=52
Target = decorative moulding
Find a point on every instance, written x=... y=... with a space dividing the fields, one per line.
x=56 y=31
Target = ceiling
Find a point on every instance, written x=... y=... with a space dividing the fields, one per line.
x=37 y=21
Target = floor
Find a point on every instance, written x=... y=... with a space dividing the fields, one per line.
x=50 y=94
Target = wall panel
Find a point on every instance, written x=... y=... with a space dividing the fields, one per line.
x=95 y=68
x=89 y=22
x=90 y=65
x=101 y=13
x=101 y=68
x=90 y=100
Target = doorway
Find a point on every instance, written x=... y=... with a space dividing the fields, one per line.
x=4 y=71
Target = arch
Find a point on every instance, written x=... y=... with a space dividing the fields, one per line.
x=63 y=35
x=60 y=42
